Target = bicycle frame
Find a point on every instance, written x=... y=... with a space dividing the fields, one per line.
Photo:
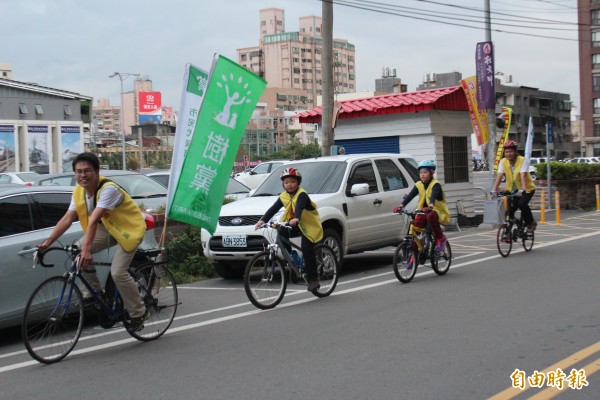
x=280 y=245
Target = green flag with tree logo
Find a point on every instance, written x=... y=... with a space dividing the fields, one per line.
x=231 y=95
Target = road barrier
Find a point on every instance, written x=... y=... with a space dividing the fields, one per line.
x=557 y=206
x=543 y=208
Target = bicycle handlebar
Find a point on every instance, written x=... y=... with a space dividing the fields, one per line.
x=413 y=213
x=275 y=225
x=73 y=250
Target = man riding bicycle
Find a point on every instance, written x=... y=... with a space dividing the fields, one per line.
x=518 y=180
x=108 y=216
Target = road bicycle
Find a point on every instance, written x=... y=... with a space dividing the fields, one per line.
x=417 y=247
x=54 y=314
x=512 y=230
x=267 y=274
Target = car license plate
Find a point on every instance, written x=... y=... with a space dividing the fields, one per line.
x=234 y=240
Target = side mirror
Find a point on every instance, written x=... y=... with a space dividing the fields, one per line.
x=359 y=189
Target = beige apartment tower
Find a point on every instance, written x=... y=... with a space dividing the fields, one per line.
x=290 y=62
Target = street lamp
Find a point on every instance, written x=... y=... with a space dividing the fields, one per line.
x=122 y=76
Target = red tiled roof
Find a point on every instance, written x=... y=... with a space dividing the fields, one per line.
x=448 y=98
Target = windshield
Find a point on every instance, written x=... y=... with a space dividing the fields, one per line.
x=317 y=178
x=139 y=186
x=236 y=187
x=28 y=176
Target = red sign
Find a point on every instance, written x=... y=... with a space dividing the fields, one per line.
x=149 y=102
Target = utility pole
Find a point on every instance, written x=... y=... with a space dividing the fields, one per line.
x=491 y=112
x=327 y=74
x=122 y=76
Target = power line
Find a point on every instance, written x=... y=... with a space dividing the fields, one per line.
x=383 y=8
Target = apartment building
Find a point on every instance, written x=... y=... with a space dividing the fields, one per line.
x=291 y=62
x=589 y=76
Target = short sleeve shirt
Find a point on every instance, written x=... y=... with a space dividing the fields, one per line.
x=110 y=197
x=524 y=167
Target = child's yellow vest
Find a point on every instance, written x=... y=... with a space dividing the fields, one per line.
x=439 y=206
x=310 y=222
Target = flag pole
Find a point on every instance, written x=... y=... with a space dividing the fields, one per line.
x=491 y=112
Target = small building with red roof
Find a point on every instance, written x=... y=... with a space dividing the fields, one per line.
x=429 y=125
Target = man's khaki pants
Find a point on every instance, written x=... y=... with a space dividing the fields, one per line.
x=127 y=288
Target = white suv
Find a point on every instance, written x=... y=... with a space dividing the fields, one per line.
x=355 y=196
x=258 y=174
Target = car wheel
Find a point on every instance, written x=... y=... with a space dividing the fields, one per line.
x=332 y=239
x=229 y=270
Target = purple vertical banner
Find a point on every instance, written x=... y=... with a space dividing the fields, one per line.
x=486 y=84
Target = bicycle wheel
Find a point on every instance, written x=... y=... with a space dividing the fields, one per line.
x=440 y=262
x=327 y=267
x=405 y=262
x=504 y=240
x=53 y=320
x=264 y=280
x=158 y=289
x=527 y=239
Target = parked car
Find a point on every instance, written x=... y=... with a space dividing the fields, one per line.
x=258 y=174
x=355 y=196
x=21 y=178
x=235 y=190
x=161 y=177
x=537 y=160
x=585 y=160
x=28 y=215
x=143 y=190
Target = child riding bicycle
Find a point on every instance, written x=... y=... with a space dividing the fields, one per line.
x=431 y=198
x=302 y=215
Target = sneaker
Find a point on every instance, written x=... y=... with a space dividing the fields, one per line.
x=531 y=227
x=137 y=324
x=313 y=284
x=410 y=263
x=440 y=245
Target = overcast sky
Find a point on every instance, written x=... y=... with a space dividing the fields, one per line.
x=75 y=45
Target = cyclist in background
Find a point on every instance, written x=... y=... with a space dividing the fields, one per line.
x=518 y=181
x=108 y=216
x=431 y=197
x=302 y=215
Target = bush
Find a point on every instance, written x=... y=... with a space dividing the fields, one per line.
x=567 y=171
x=186 y=260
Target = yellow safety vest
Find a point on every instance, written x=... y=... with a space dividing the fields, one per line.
x=125 y=223
x=310 y=222
x=439 y=206
x=513 y=175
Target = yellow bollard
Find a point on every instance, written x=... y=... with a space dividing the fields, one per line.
x=557 y=206
x=597 y=197
x=543 y=208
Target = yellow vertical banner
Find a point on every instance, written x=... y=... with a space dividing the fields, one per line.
x=478 y=117
x=506 y=117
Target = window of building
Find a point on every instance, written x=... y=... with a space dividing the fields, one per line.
x=595 y=17
x=595 y=61
x=456 y=159
x=596 y=39
x=596 y=83
x=596 y=126
x=39 y=110
x=597 y=105
x=23 y=108
x=67 y=109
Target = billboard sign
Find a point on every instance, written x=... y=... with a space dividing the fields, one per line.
x=7 y=148
x=70 y=140
x=150 y=107
x=39 y=161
